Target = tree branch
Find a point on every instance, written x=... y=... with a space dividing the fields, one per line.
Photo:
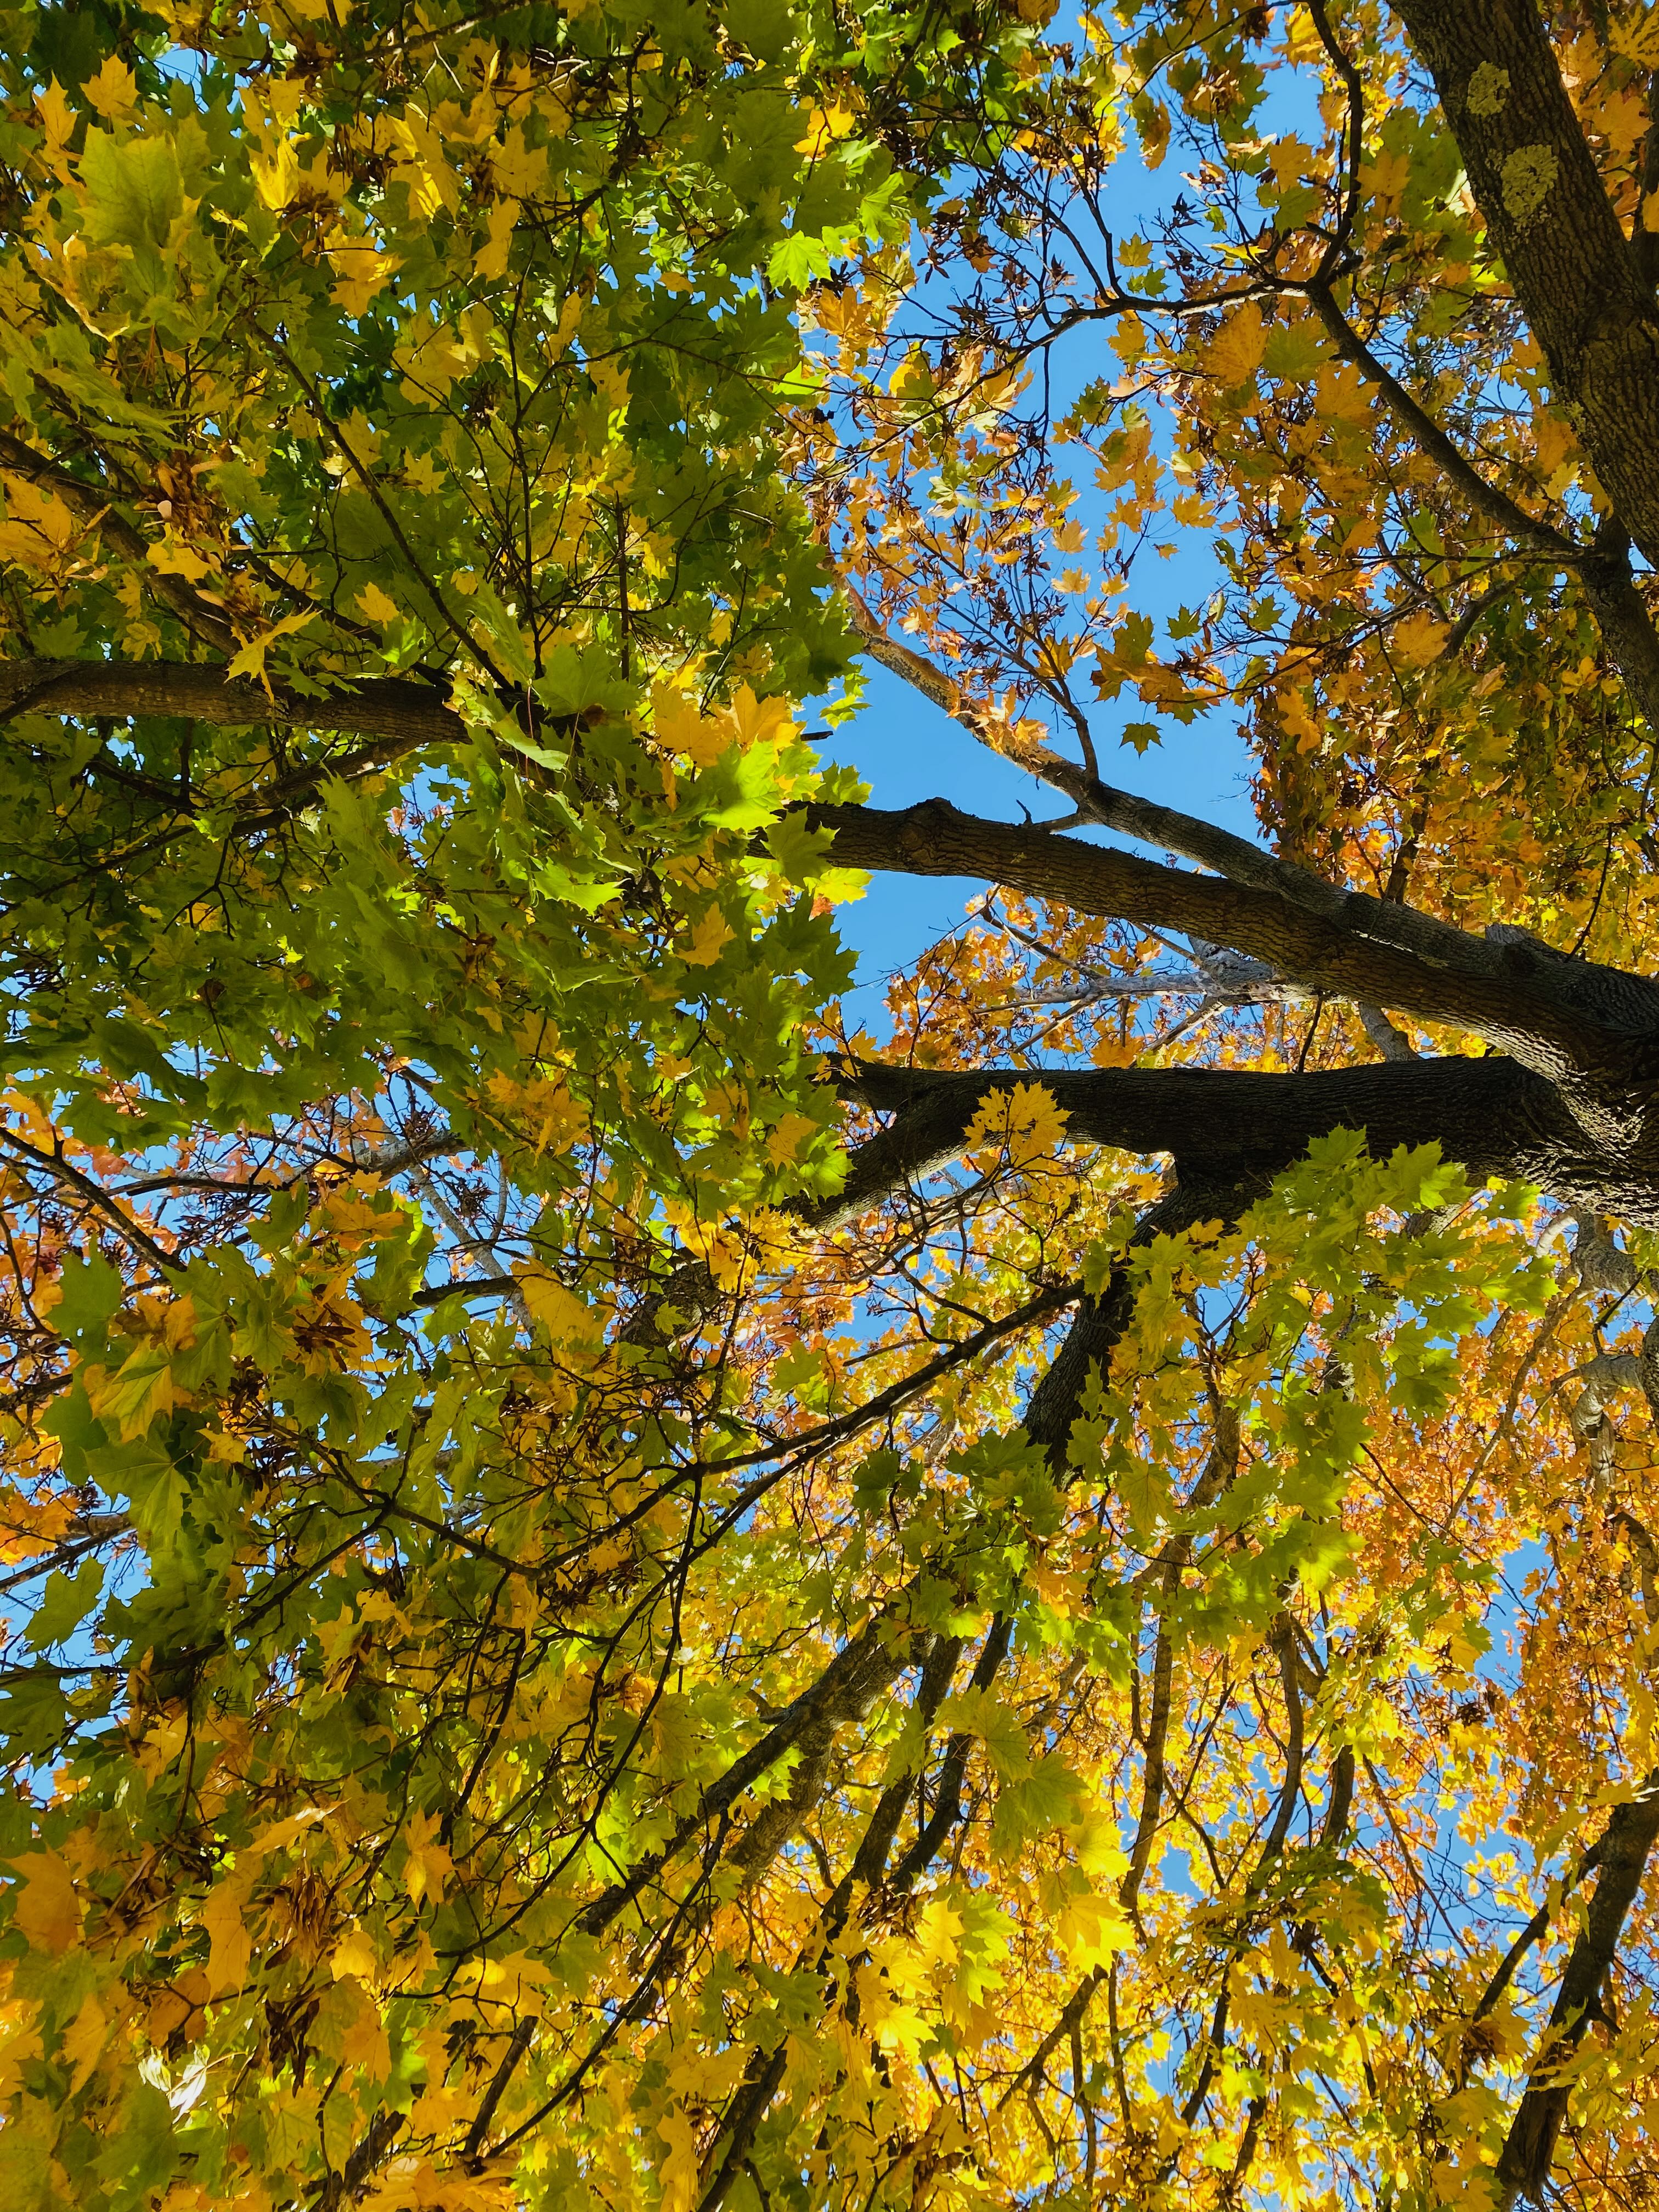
x=1529 y=2148
x=1603 y=568
x=1562 y=1017
x=401 y=714
x=1549 y=221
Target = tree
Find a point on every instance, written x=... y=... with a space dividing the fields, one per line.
x=591 y=1628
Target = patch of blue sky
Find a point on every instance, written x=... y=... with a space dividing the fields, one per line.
x=182 y=66
x=909 y=750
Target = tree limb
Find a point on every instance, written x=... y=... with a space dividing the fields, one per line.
x=1549 y=221
x=1562 y=1017
x=1529 y=2148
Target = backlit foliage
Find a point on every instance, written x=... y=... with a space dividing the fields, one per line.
x=582 y=1629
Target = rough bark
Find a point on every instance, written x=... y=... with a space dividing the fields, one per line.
x=1493 y=1116
x=403 y=714
x=1622 y=1857
x=1593 y=1033
x=1549 y=220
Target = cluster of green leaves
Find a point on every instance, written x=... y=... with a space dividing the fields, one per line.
x=385 y=352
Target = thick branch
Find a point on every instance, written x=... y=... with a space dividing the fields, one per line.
x=402 y=715
x=1550 y=222
x=1242 y=1127
x=1561 y=1017
x=1622 y=1855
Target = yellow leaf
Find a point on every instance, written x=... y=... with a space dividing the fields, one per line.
x=1234 y=354
x=785 y=1139
x=250 y=660
x=559 y=1312
x=519 y=172
x=47 y=1910
x=708 y=940
x=138 y=1393
x=39 y=529
x=761 y=721
x=683 y=728
x=349 y=2025
x=491 y=261
x=1418 y=639
x=938 y=1933
x=275 y=176
x=610 y=378
x=824 y=125
x=1298 y=718
x=678 y=2174
x=355 y=1954
x=174 y=558
x=1093 y=1927
x=114 y=91
x=1638 y=41
x=360 y=268
x=277 y=1835
x=1027 y=1120
x=56 y=113
x=427 y=169
x=377 y=606
x=977 y=1713
x=1552 y=442
x=83 y=2042
x=163 y=1741
x=230 y=1946
x=429 y=1865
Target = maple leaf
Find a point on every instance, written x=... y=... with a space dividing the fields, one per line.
x=709 y=938
x=46 y=1908
x=136 y=1394
x=1234 y=354
x=1417 y=640
x=83 y=2042
x=112 y=89
x=427 y=1865
x=230 y=1942
x=566 y=1318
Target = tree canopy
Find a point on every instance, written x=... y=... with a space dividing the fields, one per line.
x=618 y=1596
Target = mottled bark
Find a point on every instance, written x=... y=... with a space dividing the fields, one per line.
x=1549 y=220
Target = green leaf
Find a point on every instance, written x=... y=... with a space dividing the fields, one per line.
x=135 y=189
x=92 y=1294
x=65 y=1604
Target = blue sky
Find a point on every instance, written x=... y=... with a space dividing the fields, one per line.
x=908 y=750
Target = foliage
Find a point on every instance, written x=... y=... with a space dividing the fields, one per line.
x=618 y=1598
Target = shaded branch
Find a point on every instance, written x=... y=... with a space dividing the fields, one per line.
x=401 y=714
x=1548 y=219
x=1529 y=2148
